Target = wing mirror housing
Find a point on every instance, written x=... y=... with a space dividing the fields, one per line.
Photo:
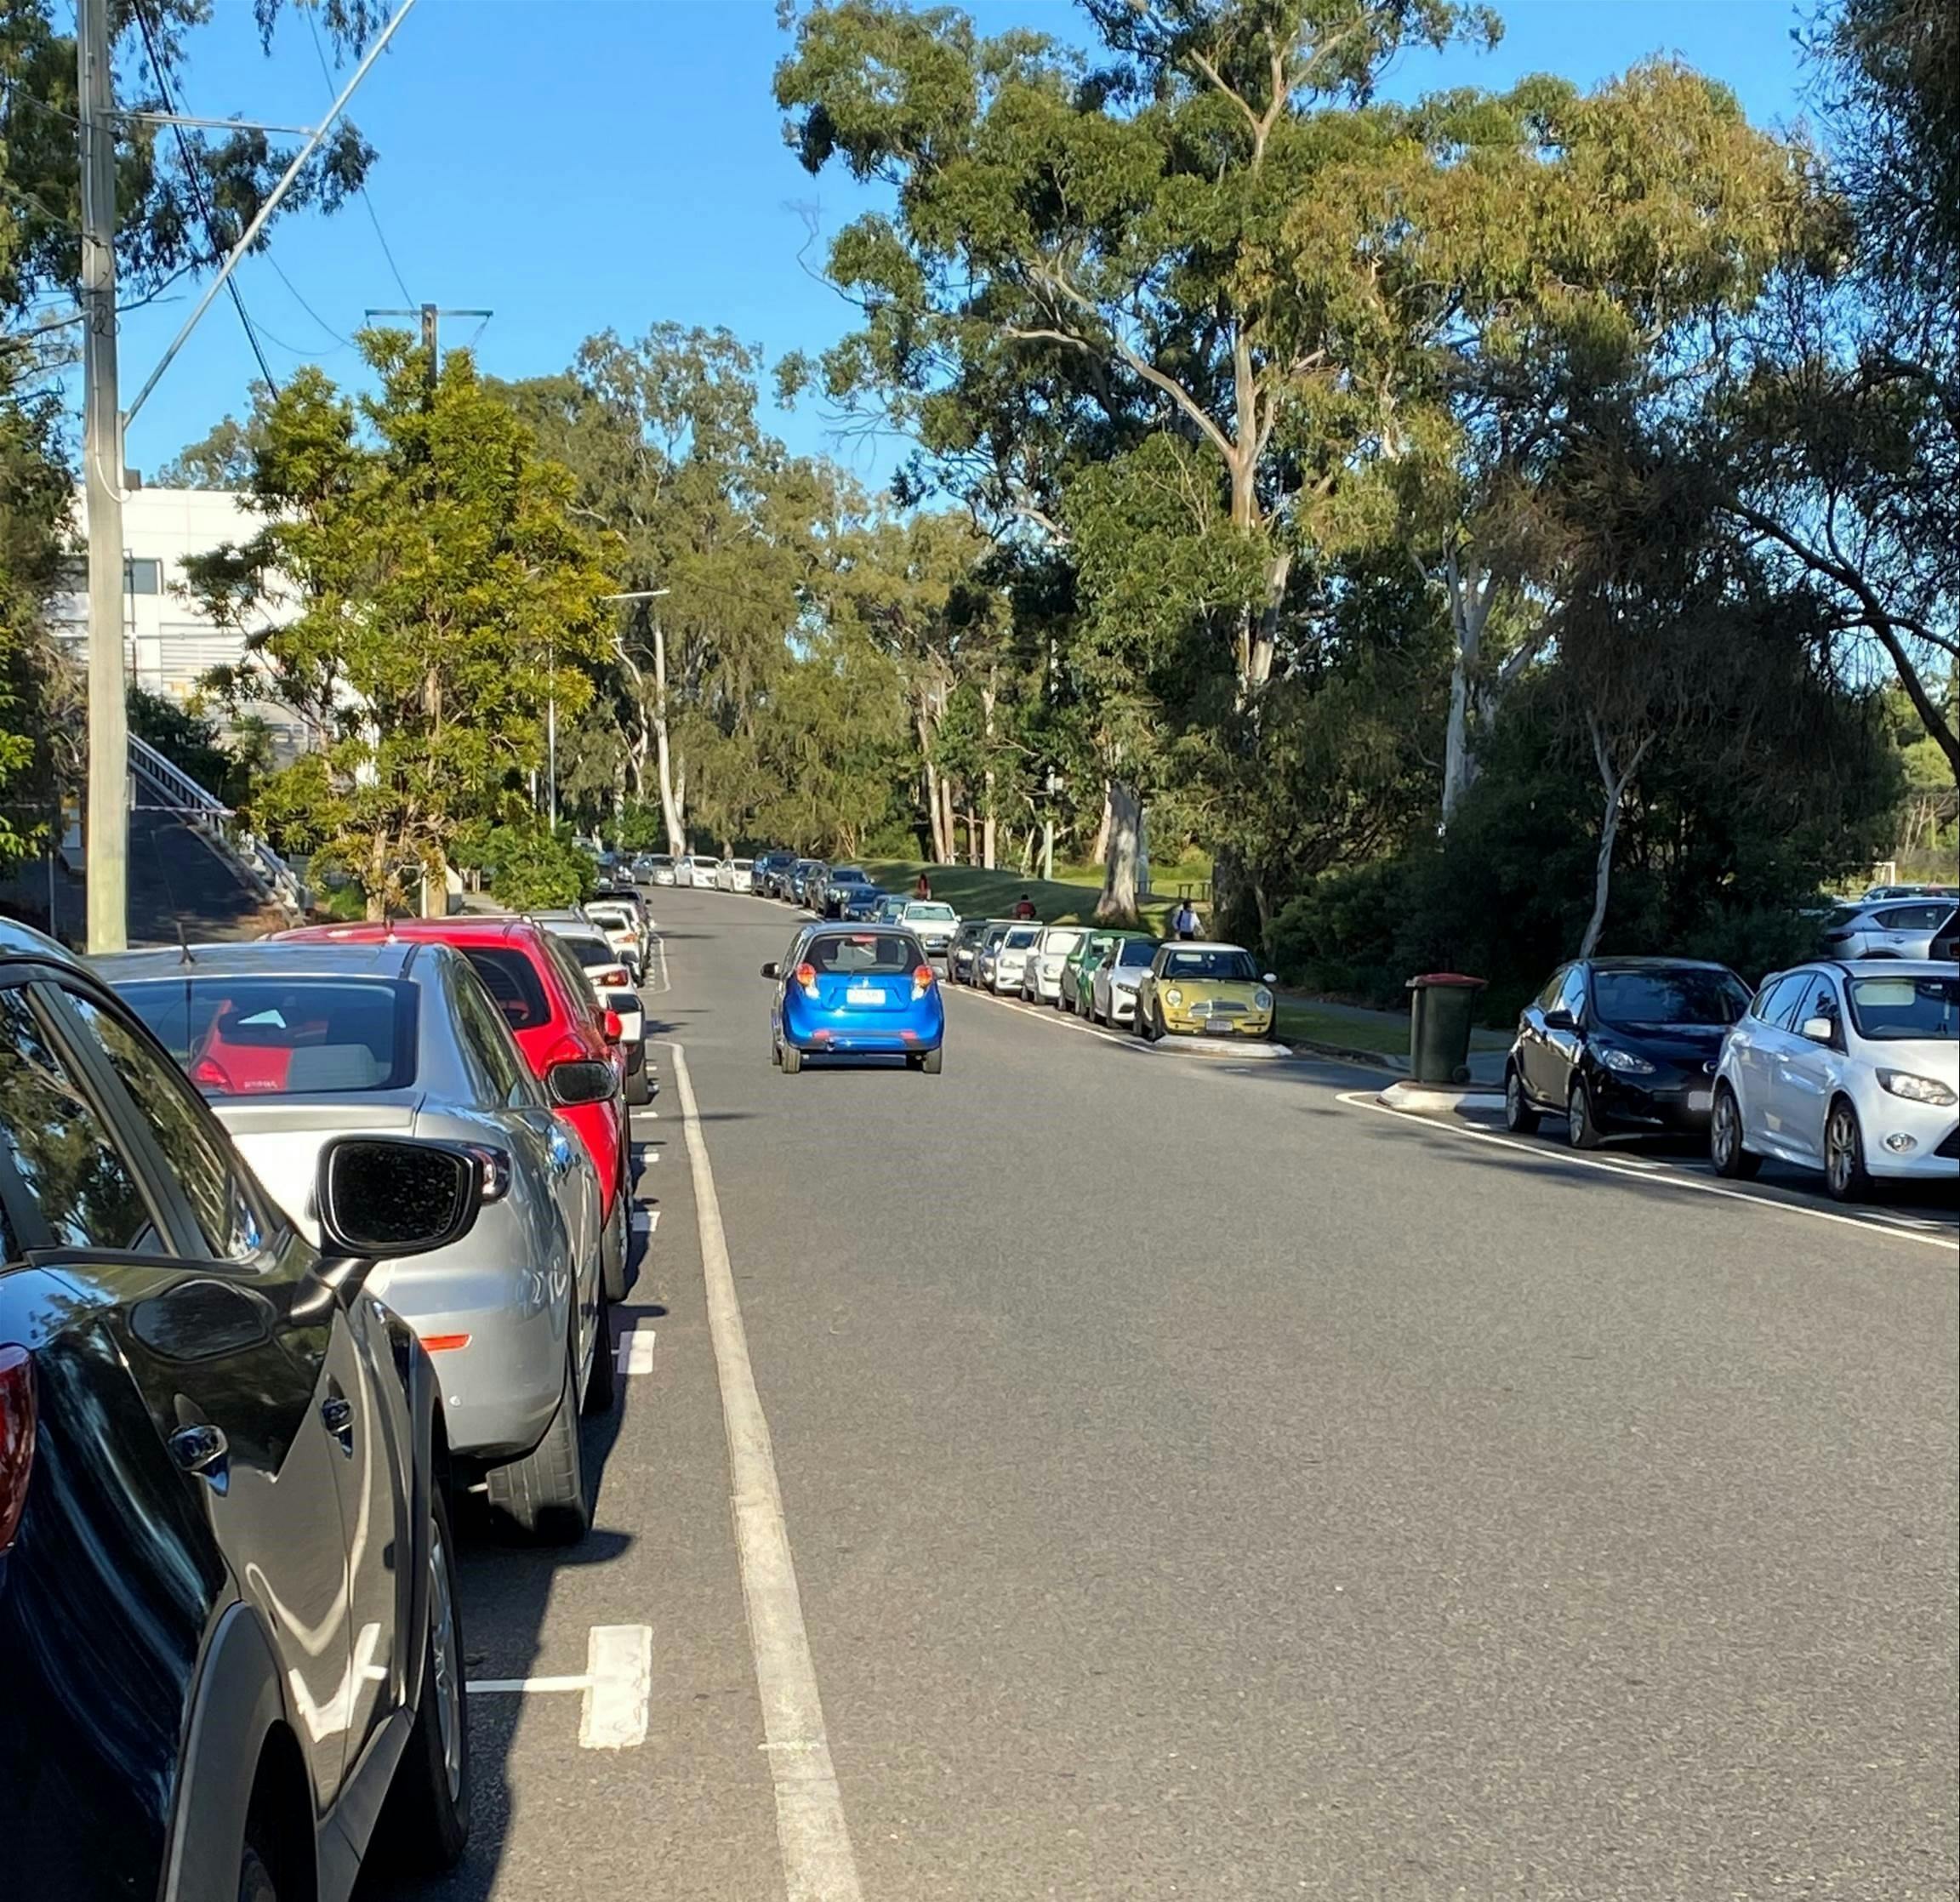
x=380 y=1197
x=1821 y=1030
x=1271 y=977
x=771 y=970
x=1560 y=1020
x=579 y=1081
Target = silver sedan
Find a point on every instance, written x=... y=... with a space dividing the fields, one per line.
x=295 y=1044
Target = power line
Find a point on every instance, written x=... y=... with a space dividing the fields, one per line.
x=195 y=179
x=373 y=216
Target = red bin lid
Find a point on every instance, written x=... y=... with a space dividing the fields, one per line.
x=1433 y=979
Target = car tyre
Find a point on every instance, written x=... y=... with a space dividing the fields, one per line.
x=613 y=1243
x=602 y=1382
x=1519 y=1117
x=1725 y=1148
x=1844 y=1172
x=542 y=1494
x=1582 y=1128
x=424 y=1824
x=639 y=1086
x=792 y=1059
x=933 y=1061
x=1149 y=1024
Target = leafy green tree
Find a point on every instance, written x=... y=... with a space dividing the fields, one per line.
x=222 y=457
x=532 y=868
x=446 y=592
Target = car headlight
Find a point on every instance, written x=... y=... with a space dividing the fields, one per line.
x=1261 y=1001
x=1173 y=996
x=1624 y=1061
x=1117 y=985
x=1915 y=1090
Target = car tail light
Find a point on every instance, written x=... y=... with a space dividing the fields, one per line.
x=210 y=1075
x=17 y=1415
x=921 y=979
x=807 y=976
x=496 y=1170
x=618 y=978
x=444 y=1343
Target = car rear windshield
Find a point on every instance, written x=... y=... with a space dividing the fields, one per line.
x=742 y=864
x=1223 y=967
x=1899 y=1009
x=592 y=952
x=849 y=875
x=932 y=914
x=513 y=983
x=1637 y=999
x=879 y=952
x=284 y=1036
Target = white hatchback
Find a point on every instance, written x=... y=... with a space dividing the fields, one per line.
x=1853 y=1068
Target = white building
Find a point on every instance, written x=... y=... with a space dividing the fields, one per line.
x=170 y=644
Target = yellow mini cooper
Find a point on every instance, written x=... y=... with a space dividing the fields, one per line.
x=1204 y=990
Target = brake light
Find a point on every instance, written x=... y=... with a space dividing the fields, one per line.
x=618 y=978
x=444 y=1343
x=17 y=1415
x=210 y=1075
x=921 y=981
x=807 y=976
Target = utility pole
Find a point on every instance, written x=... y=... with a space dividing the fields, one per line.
x=430 y=320
x=107 y=850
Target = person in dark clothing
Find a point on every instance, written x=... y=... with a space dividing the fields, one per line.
x=1184 y=921
x=1024 y=906
x=922 y=886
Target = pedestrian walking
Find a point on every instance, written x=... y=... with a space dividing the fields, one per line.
x=922 y=886
x=1184 y=921
x=1024 y=906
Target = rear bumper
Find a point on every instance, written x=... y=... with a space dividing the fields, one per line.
x=904 y=1032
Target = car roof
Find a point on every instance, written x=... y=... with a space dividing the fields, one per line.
x=471 y=926
x=385 y=958
x=1883 y=967
x=1201 y=944
x=1652 y=964
x=23 y=941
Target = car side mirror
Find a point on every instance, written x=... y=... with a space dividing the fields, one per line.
x=378 y=1197
x=1821 y=1030
x=1560 y=1020
x=609 y=1023
x=771 y=970
x=1271 y=977
x=580 y=1081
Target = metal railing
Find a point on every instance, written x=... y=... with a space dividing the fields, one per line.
x=171 y=790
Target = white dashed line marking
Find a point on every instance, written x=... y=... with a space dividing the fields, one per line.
x=634 y=1354
x=616 y=1687
x=645 y=1220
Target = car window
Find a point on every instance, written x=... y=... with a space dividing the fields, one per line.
x=1223 y=967
x=1061 y=941
x=930 y=911
x=585 y=1004
x=1777 y=1002
x=513 y=985
x=1636 y=999
x=1136 y=953
x=1817 y=997
x=1897 y=1009
x=240 y=1036
x=1572 y=993
x=1914 y=918
x=60 y=1151
x=877 y=953
x=198 y=1151
x=1548 y=998
x=488 y=1039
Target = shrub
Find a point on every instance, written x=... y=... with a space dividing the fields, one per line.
x=534 y=869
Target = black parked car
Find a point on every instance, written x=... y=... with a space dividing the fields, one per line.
x=771 y=869
x=1621 y=1044
x=806 y=875
x=227 y=1602
x=847 y=885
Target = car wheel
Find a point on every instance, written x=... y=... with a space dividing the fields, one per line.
x=255 y=1883
x=933 y=1061
x=1149 y=1023
x=639 y=1087
x=613 y=1243
x=1519 y=1117
x=776 y=1053
x=602 y=1382
x=425 y=1822
x=1582 y=1128
x=542 y=1494
x=1844 y=1170
x=1725 y=1148
x=792 y=1059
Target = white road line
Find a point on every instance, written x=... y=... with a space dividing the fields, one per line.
x=524 y=1686
x=1061 y=1018
x=619 y=1659
x=1649 y=1171
x=815 y=1842
x=655 y=981
x=633 y=1354
x=645 y=1220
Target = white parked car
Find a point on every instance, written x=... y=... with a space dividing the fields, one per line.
x=1904 y=929
x=1041 y=975
x=735 y=874
x=933 y=924
x=684 y=870
x=1113 y=989
x=1004 y=973
x=1850 y=1068
x=596 y=960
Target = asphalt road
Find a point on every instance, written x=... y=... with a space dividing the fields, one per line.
x=1199 y=1482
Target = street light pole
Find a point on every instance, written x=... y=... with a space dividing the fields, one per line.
x=107 y=850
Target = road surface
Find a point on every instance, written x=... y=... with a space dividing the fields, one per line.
x=1197 y=1482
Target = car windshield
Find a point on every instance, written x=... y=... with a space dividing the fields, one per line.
x=592 y=952
x=659 y=859
x=1062 y=942
x=1901 y=1009
x=1021 y=936
x=849 y=875
x=932 y=914
x=875 y=953
x=1637 y=1000
x=1135 y=953
x=1227 y=966
x=283 y=1036
x=513 y=985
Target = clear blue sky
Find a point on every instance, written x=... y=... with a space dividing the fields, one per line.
x=580 y=164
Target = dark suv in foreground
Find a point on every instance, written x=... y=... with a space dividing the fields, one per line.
x=227 y=1596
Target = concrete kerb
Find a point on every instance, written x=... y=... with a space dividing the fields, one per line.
x=1467 y=1102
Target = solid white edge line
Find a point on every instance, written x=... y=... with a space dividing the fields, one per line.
x=1648 y=1171
x=818 y=1864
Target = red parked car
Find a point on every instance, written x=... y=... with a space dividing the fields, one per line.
x=560 y=1025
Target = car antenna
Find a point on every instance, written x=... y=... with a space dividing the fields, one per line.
x=183 y=945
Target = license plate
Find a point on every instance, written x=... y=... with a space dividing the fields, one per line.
x=1700 y=1099
x=863 y=993
x=1222 y=1029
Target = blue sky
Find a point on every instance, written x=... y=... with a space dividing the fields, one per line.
x=574 y=165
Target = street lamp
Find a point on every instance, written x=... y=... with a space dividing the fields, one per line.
x=551 y=707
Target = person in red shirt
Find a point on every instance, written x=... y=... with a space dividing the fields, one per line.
x=1024 y=906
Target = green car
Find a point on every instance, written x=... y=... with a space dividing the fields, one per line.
x=1083 y=961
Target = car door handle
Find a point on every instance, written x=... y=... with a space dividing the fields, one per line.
x=336 y=1416
x=203 y=1449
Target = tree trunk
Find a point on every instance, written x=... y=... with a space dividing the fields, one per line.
x=990 y=831
x=375 y=887
x=1471 y=598
x=1614 y=785
x=1098 y=850
x=950 y=821
x=972 y=836
x=670 y=813
x=942 y=844
x=1124 y=872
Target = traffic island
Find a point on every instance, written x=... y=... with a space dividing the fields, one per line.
x=1464 y=1102
x=1212 y=1047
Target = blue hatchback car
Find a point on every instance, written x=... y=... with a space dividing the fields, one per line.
x=848 y=991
